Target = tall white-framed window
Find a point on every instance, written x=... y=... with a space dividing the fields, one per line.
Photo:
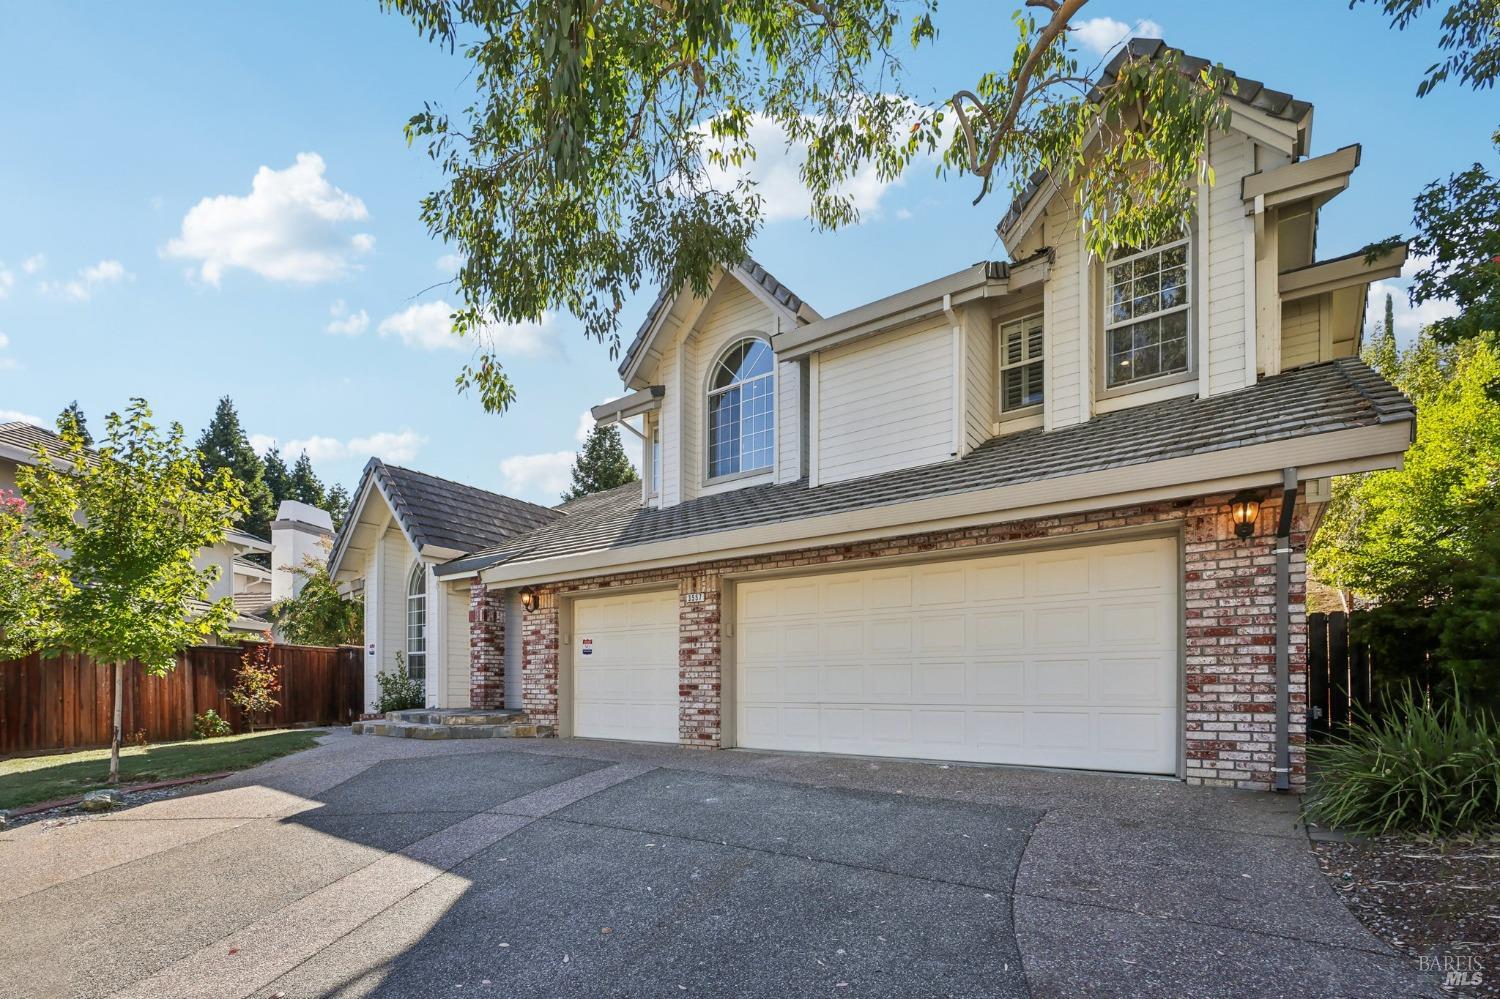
x=1021 y=368
x=742 y=410
x=1148 y=314
x=416 y=623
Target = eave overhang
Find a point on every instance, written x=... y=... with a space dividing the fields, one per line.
x=1340 y=272
x=646 y=400
x=1318 y=180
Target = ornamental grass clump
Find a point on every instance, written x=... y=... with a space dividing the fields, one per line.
x=1424 y=767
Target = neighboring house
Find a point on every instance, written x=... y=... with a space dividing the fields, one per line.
x=991 y=517
x=401 y=524
x=242 y=575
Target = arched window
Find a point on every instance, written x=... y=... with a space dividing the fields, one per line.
x=416 y=623
x=742 y=410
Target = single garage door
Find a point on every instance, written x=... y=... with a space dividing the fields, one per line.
x=1065 y=658
x=625 y=667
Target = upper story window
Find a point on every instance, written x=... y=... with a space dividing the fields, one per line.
x=1146 y=315
x=742 y=410
x=1021 y=363
x=416 y=623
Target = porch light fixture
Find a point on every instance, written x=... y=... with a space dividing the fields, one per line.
x=1244 y=510
x=528 y=598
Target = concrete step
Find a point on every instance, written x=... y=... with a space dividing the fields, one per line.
x=455 y=716
x=523 y=729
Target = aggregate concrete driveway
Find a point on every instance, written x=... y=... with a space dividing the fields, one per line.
x=387 y=867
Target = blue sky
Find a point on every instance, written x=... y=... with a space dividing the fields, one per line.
x=199 y=200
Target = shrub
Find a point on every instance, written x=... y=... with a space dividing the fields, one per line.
x=209 y=725
x=1424 y=766
x=256 y=683
x=398 y=691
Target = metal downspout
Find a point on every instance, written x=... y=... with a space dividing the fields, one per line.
x=1283 y=551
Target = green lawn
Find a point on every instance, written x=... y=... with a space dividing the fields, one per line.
x=45 y=778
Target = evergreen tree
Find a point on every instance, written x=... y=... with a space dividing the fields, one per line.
x=305 y=487
x=338 y=505
x=278 y=477
x=224 y=445
x=72 y=416
x=1382 y=353
x=601 y=464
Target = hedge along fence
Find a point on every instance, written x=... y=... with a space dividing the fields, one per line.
x=64 y=703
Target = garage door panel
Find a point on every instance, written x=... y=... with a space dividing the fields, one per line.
x=625 y=667
x=1061 y=658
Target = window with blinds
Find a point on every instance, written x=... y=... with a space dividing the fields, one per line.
x=1021 y=363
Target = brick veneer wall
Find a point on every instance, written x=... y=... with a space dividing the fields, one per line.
x=1229 y=609
x=486 y=648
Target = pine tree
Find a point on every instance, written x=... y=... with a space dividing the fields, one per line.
x=72 y=416
x=278 y=477
x=305 y=486
x=601 y=464
x=224 y=445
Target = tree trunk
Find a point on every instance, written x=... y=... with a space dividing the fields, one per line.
x=114 y=745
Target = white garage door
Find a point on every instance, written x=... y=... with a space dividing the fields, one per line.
x=625 y=667
x=1064 y=658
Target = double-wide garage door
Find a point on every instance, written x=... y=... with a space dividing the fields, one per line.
x=1062 y=658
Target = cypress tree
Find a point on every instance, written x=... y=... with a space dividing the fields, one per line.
x=278 y=478
x=305 y=486
x=601 y=464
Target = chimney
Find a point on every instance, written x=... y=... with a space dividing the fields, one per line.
x=299 y=531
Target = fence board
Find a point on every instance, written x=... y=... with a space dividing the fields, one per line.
x=64 y=703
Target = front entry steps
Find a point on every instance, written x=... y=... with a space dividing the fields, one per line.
x=453 y=723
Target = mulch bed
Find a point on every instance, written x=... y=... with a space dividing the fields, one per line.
x=1427 y=900
x=135 y=794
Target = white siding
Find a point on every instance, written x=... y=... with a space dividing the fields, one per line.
x=732 y=313
x=1301 y=332
x=456 y=646
x=1222 y=275
x=788 y=421
x=1068 y=380
x=396 y=562
x=885 y=404
x=980 y=398
x=671 y=428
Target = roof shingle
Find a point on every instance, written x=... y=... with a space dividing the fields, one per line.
x=1337 y=395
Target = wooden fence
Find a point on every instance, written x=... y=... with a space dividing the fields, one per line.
x=64 y=703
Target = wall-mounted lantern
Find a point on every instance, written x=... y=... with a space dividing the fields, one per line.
x=528 y=598
x=1244 y=510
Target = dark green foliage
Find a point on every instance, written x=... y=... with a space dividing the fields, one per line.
x=224 y=445
x=338 y=505
x=398 y=691
x=72 y=416
x=601 y=464
x=305 y=486
x=1423 y=766
x=278 y=477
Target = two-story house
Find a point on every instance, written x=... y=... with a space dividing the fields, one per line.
x=1049 y=510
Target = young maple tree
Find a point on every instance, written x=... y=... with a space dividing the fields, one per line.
x=257 y=682
x=97 y=551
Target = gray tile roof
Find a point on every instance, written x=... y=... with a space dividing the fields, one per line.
x=749 y=268
x=27 y=436
x=1247 y=91
x=450 y=514
x=1338 y=395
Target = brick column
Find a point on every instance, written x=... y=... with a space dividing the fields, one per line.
x=486 y=648
x=699 y=664
x=539 y=652
x=1230 y=609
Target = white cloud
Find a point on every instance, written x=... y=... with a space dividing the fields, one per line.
x=585 y=426
x=398 y=446
x=10 y=415
x=344 y=322
x=775 y=173
x=1104 y=34
x=90 y=279
x=449 y=263
x=541 y=478
x=429 y=326
x=34 y=263
x=1409 y=319
x=292 y=226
